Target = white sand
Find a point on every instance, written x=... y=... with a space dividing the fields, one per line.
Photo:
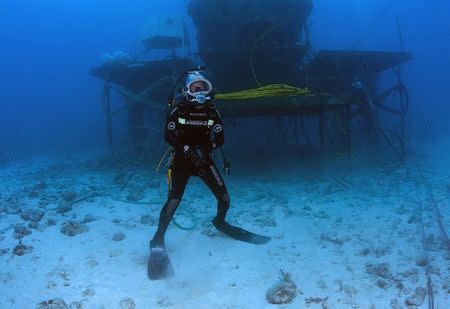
x=326 y=229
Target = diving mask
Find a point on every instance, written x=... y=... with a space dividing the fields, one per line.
x=197 y=88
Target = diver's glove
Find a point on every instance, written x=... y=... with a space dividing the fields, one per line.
x=227 y=168
x=195 y=155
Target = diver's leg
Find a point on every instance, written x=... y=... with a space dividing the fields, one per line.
x=211 y=177
x=159 y=266
x=177 y=179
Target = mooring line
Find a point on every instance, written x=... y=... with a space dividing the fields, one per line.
x=10 y=227
x=426 y=251
x=427 y=193
x=439 y=217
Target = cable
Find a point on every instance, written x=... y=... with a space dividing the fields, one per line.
x=10 y=227
x=273 y=90
x=189 y=228
x=427 y=255
x=261 y=37
x=162 y=159
x=140 y=97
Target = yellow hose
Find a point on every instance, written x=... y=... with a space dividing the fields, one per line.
x=273 y=90
x=162 y=159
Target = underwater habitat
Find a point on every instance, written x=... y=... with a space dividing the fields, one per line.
x=224 y=154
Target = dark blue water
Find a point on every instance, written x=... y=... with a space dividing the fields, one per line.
x=50 y=102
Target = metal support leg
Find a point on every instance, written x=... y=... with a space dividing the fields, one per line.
x=403 y=131
x=137 y=132
x=107 y=106
x=322 y=129
x=348 y=137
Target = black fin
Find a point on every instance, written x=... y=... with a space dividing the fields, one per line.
x=159 y=266
x=241 y=234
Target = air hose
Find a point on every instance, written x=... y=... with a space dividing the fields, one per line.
x=184 y=228
x=273 y=90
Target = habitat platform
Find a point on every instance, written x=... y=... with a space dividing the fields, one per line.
x=334 y=71
x=140 y=75
x=371 y=61
x=329 y=75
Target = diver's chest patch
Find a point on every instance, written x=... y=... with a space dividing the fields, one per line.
x=218 y=128
x=171 y=126
x=202 y=123
x=196 y=122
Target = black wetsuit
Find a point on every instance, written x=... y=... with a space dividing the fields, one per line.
x=191 y=127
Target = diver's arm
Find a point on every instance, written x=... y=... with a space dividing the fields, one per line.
x=219 y=136
x=171 y=132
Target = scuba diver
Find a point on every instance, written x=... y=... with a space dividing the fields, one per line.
x=194 y=129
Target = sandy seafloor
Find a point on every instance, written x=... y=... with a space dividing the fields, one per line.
x=350 y=237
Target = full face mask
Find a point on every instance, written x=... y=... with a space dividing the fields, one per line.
x=197 y=88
